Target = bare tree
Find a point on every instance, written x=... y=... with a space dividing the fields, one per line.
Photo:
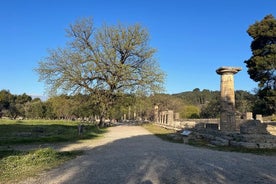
x=103 y=62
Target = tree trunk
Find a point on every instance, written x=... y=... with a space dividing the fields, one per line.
x=101 y=123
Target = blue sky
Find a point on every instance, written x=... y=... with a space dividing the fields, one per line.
x=193 y=37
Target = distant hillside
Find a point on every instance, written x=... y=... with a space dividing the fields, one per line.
x=197 y=97
x=244 y=99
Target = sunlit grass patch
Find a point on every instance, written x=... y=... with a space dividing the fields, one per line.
x=161 y=132
x=17 y=165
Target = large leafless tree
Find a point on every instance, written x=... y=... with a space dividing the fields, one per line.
x=103 y=62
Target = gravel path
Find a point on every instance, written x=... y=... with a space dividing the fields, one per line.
x=130 y=154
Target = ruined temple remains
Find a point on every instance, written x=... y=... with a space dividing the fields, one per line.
x=227 y=112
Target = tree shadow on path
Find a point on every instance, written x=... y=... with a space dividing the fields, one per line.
x=147 y=159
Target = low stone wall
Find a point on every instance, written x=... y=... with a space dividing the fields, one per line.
x=258 y=127
x=219 y=138
x=255 y=134
x=254 y=141
x=191 y=123
x=253 y=127
x=252 y=134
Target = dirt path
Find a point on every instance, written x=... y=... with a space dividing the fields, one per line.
x=130 y=154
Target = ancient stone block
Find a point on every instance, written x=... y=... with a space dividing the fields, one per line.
x=212 y=126
x=266 y=145
x=220 y=141
x=200 y=126
x=243 y=144
x=271 y=128
x=253 y=127
x=259 y=117
x=249 y=116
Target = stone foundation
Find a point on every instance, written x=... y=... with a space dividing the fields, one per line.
x=219 y=138
x=253 y=127
x=253 y=134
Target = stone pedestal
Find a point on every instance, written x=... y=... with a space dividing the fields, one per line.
x=227 y=112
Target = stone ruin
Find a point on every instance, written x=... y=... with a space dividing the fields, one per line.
x=163 y=117
x=229 y=131
x=252 y=133
x=227 y=93
x=247 y=132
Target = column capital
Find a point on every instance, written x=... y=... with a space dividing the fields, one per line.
x=228 y=70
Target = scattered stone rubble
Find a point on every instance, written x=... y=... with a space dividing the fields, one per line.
x=248 y=133
x=253 y=134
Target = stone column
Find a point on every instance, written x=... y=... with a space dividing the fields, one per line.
x=156 y=119
x=170 y=117
x=248 y=116
x=176 y=116
x=227 y=111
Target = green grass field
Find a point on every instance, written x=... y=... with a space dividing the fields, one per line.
x=44 y=131
x=17 y=165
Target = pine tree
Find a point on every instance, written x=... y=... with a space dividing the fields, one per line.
x=262 y=64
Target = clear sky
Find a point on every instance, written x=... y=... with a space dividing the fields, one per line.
x=193 y=37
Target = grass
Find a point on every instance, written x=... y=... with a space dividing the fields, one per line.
x=17 y=165
x=44 y=131
x=163 y=134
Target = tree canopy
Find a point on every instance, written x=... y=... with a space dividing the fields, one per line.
x=262 y=64
x=205 y=104
x=104 y=62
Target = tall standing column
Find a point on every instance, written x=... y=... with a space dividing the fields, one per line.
x=227 y=112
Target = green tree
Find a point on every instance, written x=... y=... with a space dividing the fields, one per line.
x=197 y=97
x=49 y=112
x=211 y=109
x=5 y=99
x=62 y=106
x=20 y=103
x=190 y=111
x=12 y=105
x=103 y=62
x=244 y=101
x=167 y=102
x=262 y=64
x=35 y=109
